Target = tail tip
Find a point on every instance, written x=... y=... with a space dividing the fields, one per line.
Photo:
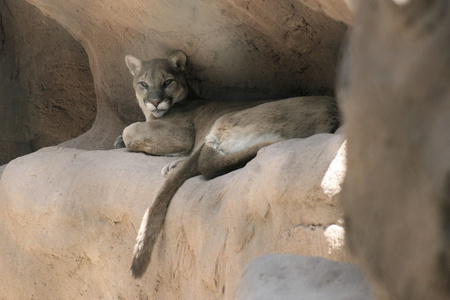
x=135 y=273
x=138 y=268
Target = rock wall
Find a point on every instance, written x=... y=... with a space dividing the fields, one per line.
x=395 y=95
x=46 y=87
x=70 y=217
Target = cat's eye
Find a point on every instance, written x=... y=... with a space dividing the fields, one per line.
x=143 y=85
x=167 y=82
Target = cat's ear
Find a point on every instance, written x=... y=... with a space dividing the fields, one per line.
x=178 y=60
x=134 y=64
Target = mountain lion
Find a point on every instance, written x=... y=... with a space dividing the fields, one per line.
x=221 y=136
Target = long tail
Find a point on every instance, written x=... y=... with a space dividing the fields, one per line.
x=154 y=217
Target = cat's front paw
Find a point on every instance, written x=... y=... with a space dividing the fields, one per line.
x=166 y=169
x=119 y=143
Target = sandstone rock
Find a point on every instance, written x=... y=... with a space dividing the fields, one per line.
x=69 y=220
x=1 y=170
x=396 y=100
x=46 y=88
x=338 y=10
x=289 y=277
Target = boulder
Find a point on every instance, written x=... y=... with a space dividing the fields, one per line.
x=294 y=277
x=395 y=94
x=70 y=217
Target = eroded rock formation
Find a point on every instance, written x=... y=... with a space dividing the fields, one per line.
x=70 y=217
x=46 y=87
x=236 y=49
x=396 y=100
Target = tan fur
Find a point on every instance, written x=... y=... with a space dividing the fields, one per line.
x=222 y=137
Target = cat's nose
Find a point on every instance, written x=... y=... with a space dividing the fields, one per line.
x=155 y=102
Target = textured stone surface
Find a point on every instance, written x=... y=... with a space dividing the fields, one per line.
x=396 y=100
x=69 y=220
x=293 y=277
x=46 y=87
x=338 y=10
